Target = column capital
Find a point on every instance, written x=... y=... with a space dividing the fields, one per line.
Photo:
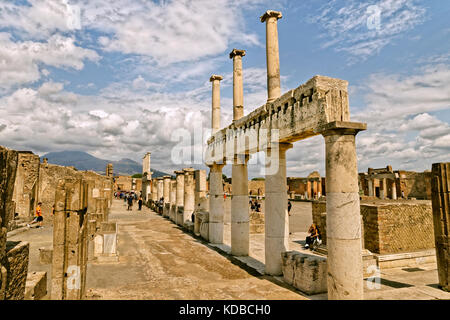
x=342 y=128
x=215 y=77
x=178 y=172
x=216 y=166
x=237 y=52
x=271 y=14
x=167 y=177
x=189 y=170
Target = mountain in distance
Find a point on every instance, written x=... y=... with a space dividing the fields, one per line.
x=84 y=161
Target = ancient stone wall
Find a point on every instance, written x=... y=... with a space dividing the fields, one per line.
x=387 y=228
x=49 y=176
x=26 y=188
x=415 y=184
x=256 y=188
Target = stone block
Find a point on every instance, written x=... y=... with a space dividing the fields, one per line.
x=17 y=269
x=36 y=286
x=45 y=255
x=307 y=273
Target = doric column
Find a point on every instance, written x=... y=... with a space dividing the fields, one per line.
x=240 y=227
x=166 y=189
x=216 y=205
x=370 y=183
x=189 y=194
x=394 y=190
x=345 y=268
x=383 y=193
x=179 y=196
x=238 y=84
x=215 y=114
x=273 y=54
x=160 y=188
x=276 y=216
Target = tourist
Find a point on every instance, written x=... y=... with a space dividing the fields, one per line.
x=130 y=202
x=289 y=207
x=314 y=233
x=38 y=218
x=140 y=203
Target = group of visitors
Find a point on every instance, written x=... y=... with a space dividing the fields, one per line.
x=255 y=205
x=129 y=198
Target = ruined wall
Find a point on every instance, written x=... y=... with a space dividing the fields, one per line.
x=123 y=183
x=415 y=184
x=49 y=176
x=389 y=227
x=257 y=188
x=26 y=187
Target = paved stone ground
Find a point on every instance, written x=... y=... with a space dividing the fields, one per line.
x=157 y=260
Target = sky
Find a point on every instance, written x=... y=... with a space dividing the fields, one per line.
x=119 y=78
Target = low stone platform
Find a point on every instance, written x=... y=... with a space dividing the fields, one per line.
x=36 y=286
x=307 y=273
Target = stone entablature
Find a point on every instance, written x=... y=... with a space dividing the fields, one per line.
x=299 y=114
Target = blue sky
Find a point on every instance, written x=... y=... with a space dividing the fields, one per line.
x=119 y=80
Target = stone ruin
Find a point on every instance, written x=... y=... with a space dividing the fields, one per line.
x=77 y=201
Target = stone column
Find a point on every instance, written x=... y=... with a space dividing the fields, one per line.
x=166 y=189
x=394 y=190
x=240 y=227
x=238 y=84
x=155 y=190
x=215 y=115
x=216 y=205
x=370 y=183
x=273 y=54
x=276 y=216
x=308 y=189
x=383 y=193
x=345 y=268
x=179 y=196
x=173 y=200
x=160 y=188
x=189 y=194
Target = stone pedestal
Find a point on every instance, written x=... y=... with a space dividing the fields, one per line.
x=345 y=270
x=240 y=229
x=276 y=217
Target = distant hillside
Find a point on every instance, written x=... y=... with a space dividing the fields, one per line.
x=85 y=161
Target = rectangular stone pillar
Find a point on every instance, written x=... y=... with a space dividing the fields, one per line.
x=345 y=266
x=240 y=216
x=276 y=213
x=370 y=187
x=69 y=260
x=173 y=200
x=179 y=198
x=440 y=193
x=383 y=189
x=216 y=204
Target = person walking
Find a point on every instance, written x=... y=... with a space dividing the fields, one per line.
x=38 y=218
x=140 y=203
x=130 y=202
x=289 y=207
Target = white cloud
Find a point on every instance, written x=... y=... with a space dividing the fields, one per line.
x=348 y=25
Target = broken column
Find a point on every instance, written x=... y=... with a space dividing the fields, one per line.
x=345 y=268
x=393 y=190
x=160 y=188
x=189 y=195
x=273 y=54
x=201 y=213
x=166 y=196
x=70 y=240
x=276 y=217
x=179 y=198
x=173 y=200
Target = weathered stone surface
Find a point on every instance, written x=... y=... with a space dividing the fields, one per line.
x=17 y=269
x=45 y=255
x=36 y=286
x=305 y=272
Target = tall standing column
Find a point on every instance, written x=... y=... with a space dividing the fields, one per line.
x=238 y=84
x=276 y=217
x=179 y=197
x=166 y=189
x=240 y=218
x=160 y=188
x=189 y=194
x=216 y=205
x=215 y=114
x=273 y=54
x=394 y=190
x=345 y=268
